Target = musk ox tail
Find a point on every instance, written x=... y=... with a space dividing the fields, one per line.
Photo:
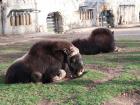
x=101 y=40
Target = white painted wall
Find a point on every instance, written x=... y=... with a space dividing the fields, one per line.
x=137 y=10
x=114 y=5
x=18 y=4
x=0 y=21
x=67 y=8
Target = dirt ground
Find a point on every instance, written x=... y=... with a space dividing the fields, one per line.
x=12 y=39
x=130 y=98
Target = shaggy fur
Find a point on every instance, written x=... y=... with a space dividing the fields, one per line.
x=44 y=61
x=101 y=40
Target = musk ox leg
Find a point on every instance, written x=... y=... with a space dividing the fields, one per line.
x=60 y=76
x=53 y=75
x=36 y=77
x=17 y=73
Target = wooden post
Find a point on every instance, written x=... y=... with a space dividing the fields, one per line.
x=16 y=19
x=12 y=19
x=30 y=19
x=26 y=19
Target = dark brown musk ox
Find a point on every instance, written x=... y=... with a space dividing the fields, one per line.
x=46 y=61
x=101 y=40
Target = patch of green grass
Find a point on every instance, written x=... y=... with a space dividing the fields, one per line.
x=93 y=75
x=127 y=38
x=29 y=94
x=133 y=66
x=3 y=66
x=128 y=43
x=109 y=89
x=102 y=60
x=12 y=48
x=7 y=51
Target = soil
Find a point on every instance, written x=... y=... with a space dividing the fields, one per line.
x=110 y=72
x=129 y=98
x=46 y=102
x=12 y=39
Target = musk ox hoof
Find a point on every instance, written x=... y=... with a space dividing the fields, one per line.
x=117 y=49
x=62 y=75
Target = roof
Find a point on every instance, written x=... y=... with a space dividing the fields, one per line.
x=88 y=5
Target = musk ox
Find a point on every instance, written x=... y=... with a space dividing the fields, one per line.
x=46 y=61
x=101 y=40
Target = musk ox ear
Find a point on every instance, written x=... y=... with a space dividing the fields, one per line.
x=73 y=51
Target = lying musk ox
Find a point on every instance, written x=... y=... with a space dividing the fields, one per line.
x=101 y=40
x=46 y=61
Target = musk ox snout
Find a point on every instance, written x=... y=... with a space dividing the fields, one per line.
x=80 y=72
x=76 y=65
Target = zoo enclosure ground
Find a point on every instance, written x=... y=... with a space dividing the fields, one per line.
x=109 y=76
x=121 y=33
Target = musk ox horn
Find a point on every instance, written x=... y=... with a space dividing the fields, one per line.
x=73 y=51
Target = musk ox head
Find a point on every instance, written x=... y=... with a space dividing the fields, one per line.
x=76 y=65
x=75 y=62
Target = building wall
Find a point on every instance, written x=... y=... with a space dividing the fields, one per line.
x=9 y=5
x=0 y=21
x=137 y=12
x=67 y=8
x=114 y=5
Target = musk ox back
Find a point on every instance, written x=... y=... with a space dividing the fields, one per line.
x=45 y=62
x=101 y=40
